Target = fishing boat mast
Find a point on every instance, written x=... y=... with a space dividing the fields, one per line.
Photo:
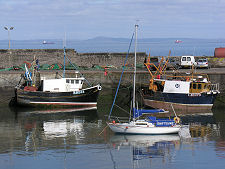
x=64 y=56
x=64 y=62
x=135 y=56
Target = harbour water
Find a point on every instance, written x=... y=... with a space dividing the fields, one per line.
x=67 y=139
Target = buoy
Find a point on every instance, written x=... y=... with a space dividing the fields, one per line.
x=105 y=72
x=176 y=120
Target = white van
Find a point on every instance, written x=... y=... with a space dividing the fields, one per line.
x=187 y=61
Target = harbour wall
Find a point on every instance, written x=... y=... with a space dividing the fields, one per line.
x=17 y=57
x=11 y=78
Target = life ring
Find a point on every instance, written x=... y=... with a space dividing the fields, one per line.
x=176 y=120
x=99 y=87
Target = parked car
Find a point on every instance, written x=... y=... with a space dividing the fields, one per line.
x=202 y=63
x=187 y=61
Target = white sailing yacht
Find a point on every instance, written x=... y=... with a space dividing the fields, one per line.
x=148 y=125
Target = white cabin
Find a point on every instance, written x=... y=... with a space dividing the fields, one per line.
x=63 y=84
x=176 y=87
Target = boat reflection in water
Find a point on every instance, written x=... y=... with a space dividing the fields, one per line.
x=63 y=125
x=147 y=146
x=61 y=128
x=55 y=110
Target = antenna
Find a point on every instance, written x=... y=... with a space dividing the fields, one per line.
x=64 y=50
x=194 y=51
x=137 y=20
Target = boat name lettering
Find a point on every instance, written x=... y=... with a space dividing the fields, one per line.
x=158 y=123
x=194 y=94
x=78 y=92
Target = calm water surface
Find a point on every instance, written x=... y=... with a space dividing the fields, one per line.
x=32 y=139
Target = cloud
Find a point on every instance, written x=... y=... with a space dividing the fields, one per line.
x=89 y=18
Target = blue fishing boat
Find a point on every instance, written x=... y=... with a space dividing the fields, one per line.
x=187 y=92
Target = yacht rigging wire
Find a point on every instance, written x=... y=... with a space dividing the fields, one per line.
x=121 y=76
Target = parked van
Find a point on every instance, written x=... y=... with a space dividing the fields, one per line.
x=187 y=61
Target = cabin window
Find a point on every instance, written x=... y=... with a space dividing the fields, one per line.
x=77 y=81
x=199 y=86
x=205 y=86
x=194 y=86
x=184 y=59
x=72 y=81
x=188 y=59
x=67 y=81
x=81 y=82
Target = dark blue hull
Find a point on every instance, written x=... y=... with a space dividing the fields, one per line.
x=189 y=102
x=87 y=97
x=189 y=98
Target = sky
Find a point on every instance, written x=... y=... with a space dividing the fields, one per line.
x=86 y=19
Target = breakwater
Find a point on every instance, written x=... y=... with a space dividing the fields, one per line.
x=17 y=57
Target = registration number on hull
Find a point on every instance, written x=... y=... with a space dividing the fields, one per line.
x=194 y=94
x=78 y=92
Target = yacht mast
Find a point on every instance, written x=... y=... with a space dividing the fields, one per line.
x=135 y=55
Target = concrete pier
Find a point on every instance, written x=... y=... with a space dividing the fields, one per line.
x=11 y=78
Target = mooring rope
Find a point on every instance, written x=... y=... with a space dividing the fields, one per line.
x=122 y=109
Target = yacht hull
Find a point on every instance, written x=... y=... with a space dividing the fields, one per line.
x=126 y=128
